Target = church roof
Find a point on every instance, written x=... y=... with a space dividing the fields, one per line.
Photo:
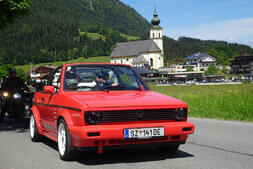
x=140 y=60
x=134 y=48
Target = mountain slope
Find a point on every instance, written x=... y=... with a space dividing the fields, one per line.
x=184 y=47
x=51 y=31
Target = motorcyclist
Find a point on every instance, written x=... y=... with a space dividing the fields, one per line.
x=10 y=85
x=14 y=83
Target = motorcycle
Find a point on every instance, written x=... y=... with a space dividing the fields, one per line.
x=16 y=104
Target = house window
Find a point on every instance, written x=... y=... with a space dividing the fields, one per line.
x=151 y=62
x=153 y=35
x=115 y=61
x=127 y=59
x=159 y=35
x=121 y=61
x=159 y=58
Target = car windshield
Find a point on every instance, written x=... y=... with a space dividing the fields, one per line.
x=101 y=78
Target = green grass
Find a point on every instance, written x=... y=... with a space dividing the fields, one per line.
x=130 y=38
x=93 y=36
x=229 y=102
x=99 y=59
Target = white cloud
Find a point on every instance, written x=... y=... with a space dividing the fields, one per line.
x=236 y=30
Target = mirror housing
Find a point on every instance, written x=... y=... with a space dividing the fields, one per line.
x=49 y=89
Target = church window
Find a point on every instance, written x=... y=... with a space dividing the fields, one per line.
x=151 y=62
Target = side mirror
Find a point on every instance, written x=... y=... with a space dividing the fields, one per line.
x=49 y=89
x=142 y=87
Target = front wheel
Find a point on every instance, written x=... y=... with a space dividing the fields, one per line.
x=66 y=150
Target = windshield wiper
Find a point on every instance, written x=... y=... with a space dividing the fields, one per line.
x=108 y=88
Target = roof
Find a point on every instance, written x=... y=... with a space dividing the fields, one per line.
x=197 y=56
x=134 y=48
x=52 y=67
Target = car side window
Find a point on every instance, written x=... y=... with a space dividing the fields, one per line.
x=55 y=79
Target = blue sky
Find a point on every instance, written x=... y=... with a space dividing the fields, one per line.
x=229 y=20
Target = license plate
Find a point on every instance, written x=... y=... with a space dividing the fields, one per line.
x=144 y=132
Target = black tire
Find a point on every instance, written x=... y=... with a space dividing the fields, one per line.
x=69 y=152
x=168 y=149
x=33 y=130
x=1 y=116
x=26 y=123
x=2 y=112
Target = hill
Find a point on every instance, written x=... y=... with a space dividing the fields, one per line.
x=54 y=30
x=184 y=47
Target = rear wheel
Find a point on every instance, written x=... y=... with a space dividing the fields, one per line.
x=34 y=133
x=168 y=149
x=66 y=150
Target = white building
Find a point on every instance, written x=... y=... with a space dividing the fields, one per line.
x=200 y=61
x=144 y=52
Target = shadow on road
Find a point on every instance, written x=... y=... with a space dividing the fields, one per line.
x=12 y=126
x=112 y=156
x=128 y=156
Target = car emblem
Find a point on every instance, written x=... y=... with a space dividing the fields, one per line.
x=139 y=114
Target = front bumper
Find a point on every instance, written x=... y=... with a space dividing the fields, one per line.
x=112 y=135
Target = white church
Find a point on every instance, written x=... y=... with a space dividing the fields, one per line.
x=142 y=53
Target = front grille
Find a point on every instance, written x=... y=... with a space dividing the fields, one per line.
x=137 y=115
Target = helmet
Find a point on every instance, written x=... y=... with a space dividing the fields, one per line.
x=12 y=70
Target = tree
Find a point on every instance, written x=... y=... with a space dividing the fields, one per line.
x=11 y=10
x=211 y=70
x=189 y=69
x=223 y=53
x=4 y=70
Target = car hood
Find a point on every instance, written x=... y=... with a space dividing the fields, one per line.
x=126 y=99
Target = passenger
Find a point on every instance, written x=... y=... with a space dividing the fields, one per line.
x=71 y=78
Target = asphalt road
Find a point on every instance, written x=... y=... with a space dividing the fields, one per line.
x=215 y=145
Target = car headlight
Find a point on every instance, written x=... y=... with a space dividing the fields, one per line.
x=180 y=114
x=5 y=94
x=17 y=96
x=27 y=107
x=93 y=117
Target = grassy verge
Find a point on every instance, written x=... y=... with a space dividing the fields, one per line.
x=229 y=102
x=100 y=59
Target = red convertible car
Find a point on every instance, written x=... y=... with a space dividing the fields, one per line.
x=96 y=106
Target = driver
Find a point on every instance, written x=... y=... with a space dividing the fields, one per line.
x=102 y=79
x=14 y=83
